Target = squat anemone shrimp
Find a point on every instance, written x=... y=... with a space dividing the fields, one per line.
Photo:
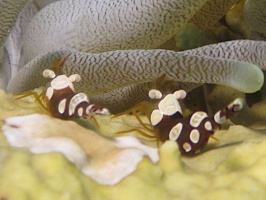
x=192 y=132
x=62 y=101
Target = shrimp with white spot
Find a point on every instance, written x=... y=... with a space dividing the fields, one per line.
x=64 y=102
x=191 y=133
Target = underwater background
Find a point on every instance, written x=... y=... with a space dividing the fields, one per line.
x=230 y=166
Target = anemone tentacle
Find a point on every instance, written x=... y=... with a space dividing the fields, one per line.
x=98 y=26
x=115 y=69
x=250 y=51
x=9 y=13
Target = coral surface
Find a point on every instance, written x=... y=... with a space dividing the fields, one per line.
x=213 y=49
x=233 y=167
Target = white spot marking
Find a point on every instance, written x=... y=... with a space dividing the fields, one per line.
x=169 y=105
x=98 y=110
x=61 y=82
x=218 y=119
x=76 y=100
x=187 y=147
x=75 y=78
x=236 y=105
x=194 y=136
x=180 y=94
x=88 y=109
x=102 y=111
x=239 y=103
x=80 y=111
x=155 y=94
x=156 y=117
x=175 y=132
x=49 y=92
x=47 y=73
x=208 y=126
x=62 y=106
x=197 y=118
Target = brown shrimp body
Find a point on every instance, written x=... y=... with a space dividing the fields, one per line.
x=64 y=102
x=191 y=133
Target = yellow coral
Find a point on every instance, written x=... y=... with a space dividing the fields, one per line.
x=232 y=168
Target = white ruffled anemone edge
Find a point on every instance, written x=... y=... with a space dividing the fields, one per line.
x=108 y=167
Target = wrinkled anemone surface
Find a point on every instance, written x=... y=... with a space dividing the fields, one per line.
x=118 y=56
